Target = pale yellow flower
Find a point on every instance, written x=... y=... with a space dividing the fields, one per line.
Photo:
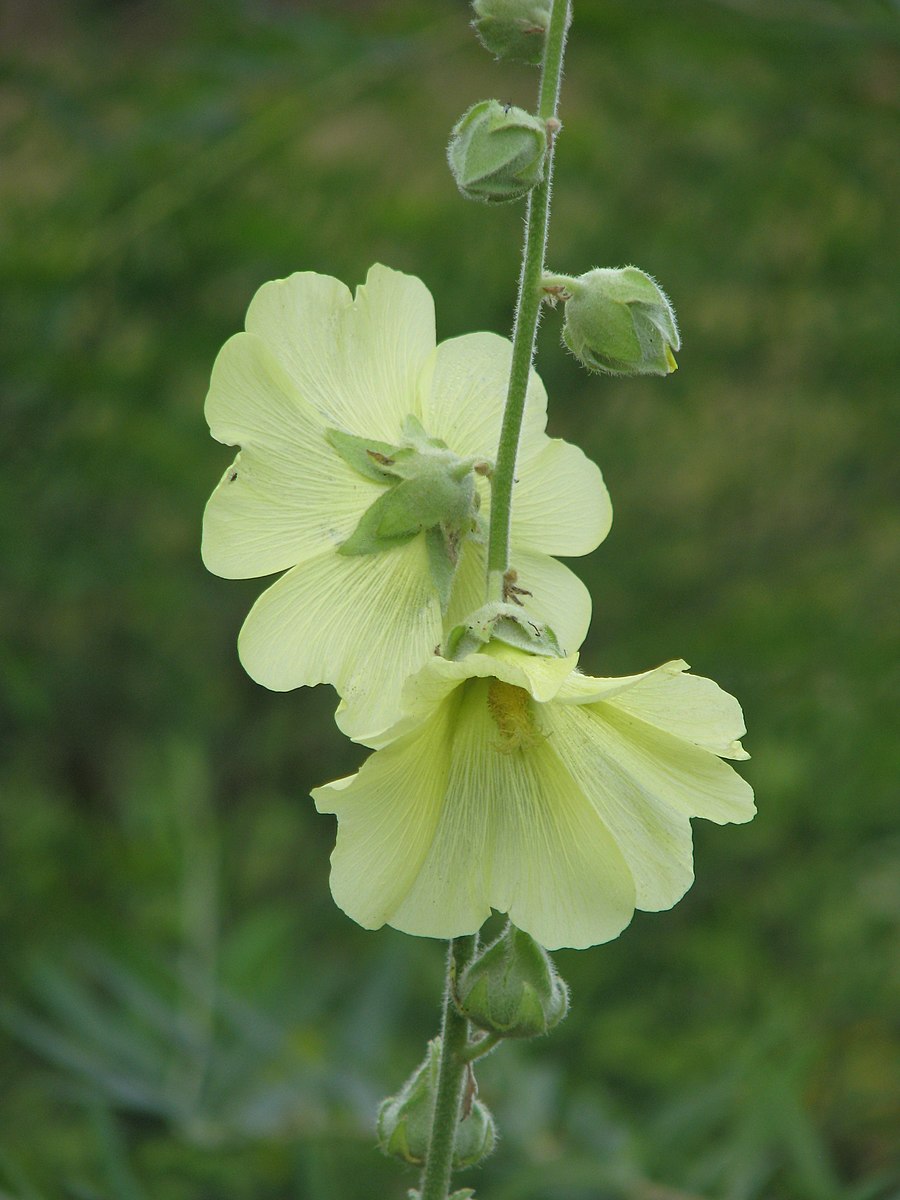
x=515 y=783
x=315 y=359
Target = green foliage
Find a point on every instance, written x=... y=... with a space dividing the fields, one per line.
x=224 y=1032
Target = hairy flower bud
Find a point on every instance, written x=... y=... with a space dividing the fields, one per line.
x=513 y=29
x=618 y=321
x=476 y=1136
x=404 y=1120
x=512 y=988
x=496 y=152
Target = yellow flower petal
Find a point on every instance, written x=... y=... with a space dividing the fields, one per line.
x=560 y=504
x=667 y=698
x=560 y=875
x=463 y=394
x=387 y=816
x=541 y=677
x=689 y=779
x=357 y=361
x=502 y=829
x=689 y=707
x=558 y=597
x=502 y=788
x=653 y=837
x=346 y=621
x=287 y=495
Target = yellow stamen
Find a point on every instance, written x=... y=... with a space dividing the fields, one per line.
x=513 y=713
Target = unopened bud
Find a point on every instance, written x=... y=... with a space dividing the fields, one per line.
x=512 y=988
x=405 y=1120
x=496 y=152
x=513 y=29
x=618 y=321
x=476 y=1136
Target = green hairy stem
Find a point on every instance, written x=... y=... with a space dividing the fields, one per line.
x=451 y=1077
x=527 y=312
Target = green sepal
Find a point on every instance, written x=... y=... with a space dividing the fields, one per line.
x=429 y=489
x=438 y=494
x=476 y=1136
x=369 y=457
x=502 y=622
x=415 y=433
x=443 y=558
x=378 y=529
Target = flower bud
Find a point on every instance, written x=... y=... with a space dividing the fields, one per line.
x=404 y=1121
x=513 y=29
x=496 y=152
x=512 y=988
x=619 y=322
x=476 y=1136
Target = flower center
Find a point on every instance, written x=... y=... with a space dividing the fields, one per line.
x=513 y=714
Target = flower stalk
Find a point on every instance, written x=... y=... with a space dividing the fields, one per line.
x=528 y=308
x=451 y=1078
x=455 y=1028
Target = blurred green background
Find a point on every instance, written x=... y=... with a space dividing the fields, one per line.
x=185 y=1015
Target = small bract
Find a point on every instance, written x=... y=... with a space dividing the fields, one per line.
x=358 y=476
x=516 y=783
